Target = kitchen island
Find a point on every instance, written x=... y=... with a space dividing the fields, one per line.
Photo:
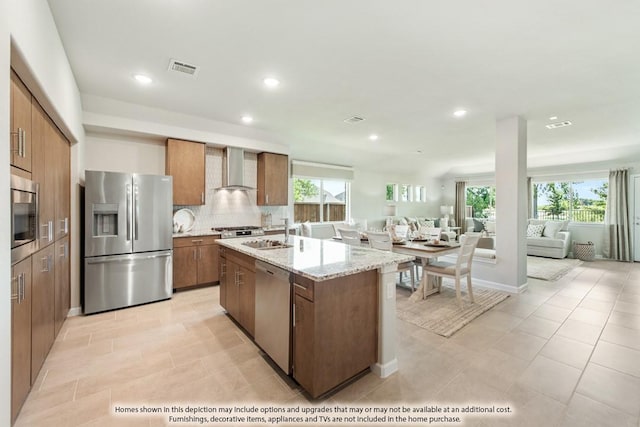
x=342 y=304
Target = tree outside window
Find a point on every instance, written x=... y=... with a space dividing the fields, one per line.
x=576 y=201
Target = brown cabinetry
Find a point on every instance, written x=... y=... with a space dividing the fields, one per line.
x=335 y=330
x=195 y=261
x=62 y=291
x=185 y=162
x=238 y=287
x=61 y=153
x=20 y=145
x=42 y=308
x=273 y=179
x=20 y=334
x=44 y=173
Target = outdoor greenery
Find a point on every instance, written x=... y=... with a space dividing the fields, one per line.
x=303 y=189
x=482 y=200
x=565 y=203
x=390 y=195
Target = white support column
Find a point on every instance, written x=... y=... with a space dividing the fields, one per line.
x=511 y=202
x=387 y=361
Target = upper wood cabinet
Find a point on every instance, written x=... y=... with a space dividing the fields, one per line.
x=185 y=162
x=273 y=179
x=44 y=172
x=20 y=136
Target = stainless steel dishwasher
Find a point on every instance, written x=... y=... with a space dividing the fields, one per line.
x=273 y=313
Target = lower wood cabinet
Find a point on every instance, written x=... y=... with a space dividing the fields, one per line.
x=62 y=292
x=20 y=334
x=42 y=308
x=335 y=334
x=238 y=287
x=195 y=261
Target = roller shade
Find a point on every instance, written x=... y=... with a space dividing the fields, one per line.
x=301 y=169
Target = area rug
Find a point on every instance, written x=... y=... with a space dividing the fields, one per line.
x=549 y=268
x=440 y=313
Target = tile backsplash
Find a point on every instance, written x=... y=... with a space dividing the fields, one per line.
x=228 y=208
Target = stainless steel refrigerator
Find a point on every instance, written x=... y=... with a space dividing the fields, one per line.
x=128 y=240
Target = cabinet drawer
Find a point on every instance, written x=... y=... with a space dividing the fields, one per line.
x=181 y=242
x=303 y=286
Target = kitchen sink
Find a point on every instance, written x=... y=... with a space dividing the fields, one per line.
x=267 y=244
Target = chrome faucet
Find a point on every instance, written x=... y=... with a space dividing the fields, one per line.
x=286 y=229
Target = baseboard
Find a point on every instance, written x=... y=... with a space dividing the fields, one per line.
x=385 y=370
x=500 y=286
x=74 y=311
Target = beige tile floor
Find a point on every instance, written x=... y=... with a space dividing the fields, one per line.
x=564 y=353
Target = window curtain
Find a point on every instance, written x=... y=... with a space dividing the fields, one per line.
x=461 y=202
x=617 y=242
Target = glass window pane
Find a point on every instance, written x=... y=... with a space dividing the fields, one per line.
x=405 y=193
x=482 y=200
x=392 y=192
x=306 y=200
x=334 y=200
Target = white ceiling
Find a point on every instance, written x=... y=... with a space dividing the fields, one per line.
x=404 y=65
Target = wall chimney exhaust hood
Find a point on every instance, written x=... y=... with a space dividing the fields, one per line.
x=233 y=169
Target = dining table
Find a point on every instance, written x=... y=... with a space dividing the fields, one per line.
x=426 y=252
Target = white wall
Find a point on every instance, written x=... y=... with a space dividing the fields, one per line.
x=368 y=192
x=5 y=232
x=115 y=153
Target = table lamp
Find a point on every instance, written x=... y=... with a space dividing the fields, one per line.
x=389 y=212
x=446 y=211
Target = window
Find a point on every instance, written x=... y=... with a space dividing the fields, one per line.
x=392 y=193
x=405 y=193
x=419 y=194
x=482 y=201
x=576 y=201
x=320 y=200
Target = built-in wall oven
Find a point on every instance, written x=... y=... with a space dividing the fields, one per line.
x=24 y=218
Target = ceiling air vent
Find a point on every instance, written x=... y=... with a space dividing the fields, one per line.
x=354 y=119
x=558 y=125
x=183 y=67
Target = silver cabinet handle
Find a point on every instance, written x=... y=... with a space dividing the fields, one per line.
x=197 y=241
x=124 y=259
x=44 y=264
x=267 y=197
x=64 y=250
x=199 y=253
x=21 y=284
x=65 y=225
x=20 y=142
x=46 y=235
x=17 y=149
x=50 y=230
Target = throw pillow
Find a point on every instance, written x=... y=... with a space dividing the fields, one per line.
x=478 y=226
x=535 y=230
x=426 y=223
x=306 y=229
x=551 y=229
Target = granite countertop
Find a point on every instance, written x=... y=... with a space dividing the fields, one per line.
x=317 y=259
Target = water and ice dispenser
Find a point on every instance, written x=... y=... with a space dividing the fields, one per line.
x=105 y=219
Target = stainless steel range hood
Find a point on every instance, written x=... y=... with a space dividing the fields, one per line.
x=233 y=169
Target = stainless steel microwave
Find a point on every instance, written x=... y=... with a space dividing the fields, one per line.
x=24 y=218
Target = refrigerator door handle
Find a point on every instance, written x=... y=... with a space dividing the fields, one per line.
x=136 y=212
x=129 y=212
x=120 y=258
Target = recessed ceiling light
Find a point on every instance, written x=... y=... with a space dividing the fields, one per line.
x=553 y=118
x=419 y=151
x=373 y=137
x=271 y=82
x=460 y=113
x=141 y=78
x=247 y=119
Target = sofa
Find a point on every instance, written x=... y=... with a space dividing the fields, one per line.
x=545 y=238
x=550 y=239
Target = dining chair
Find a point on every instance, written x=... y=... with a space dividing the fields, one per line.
x=382 y=241
x=350 y=237
x=456 y=270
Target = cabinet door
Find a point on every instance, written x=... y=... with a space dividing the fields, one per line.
x=185 y=162
x=247 y=299
x=43 y=173
x=20 y=124
x=42 y=308
x=233 y=293
x=303 y=340
x=273 y=179
x=185 y=267
x=61 y=152
x=208 y=263
x=20 y=334
x=62 y=290
x=223 y=278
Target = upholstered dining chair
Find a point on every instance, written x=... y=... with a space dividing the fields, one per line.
x=458 y=269
x=350 y=237
x=382 y=241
